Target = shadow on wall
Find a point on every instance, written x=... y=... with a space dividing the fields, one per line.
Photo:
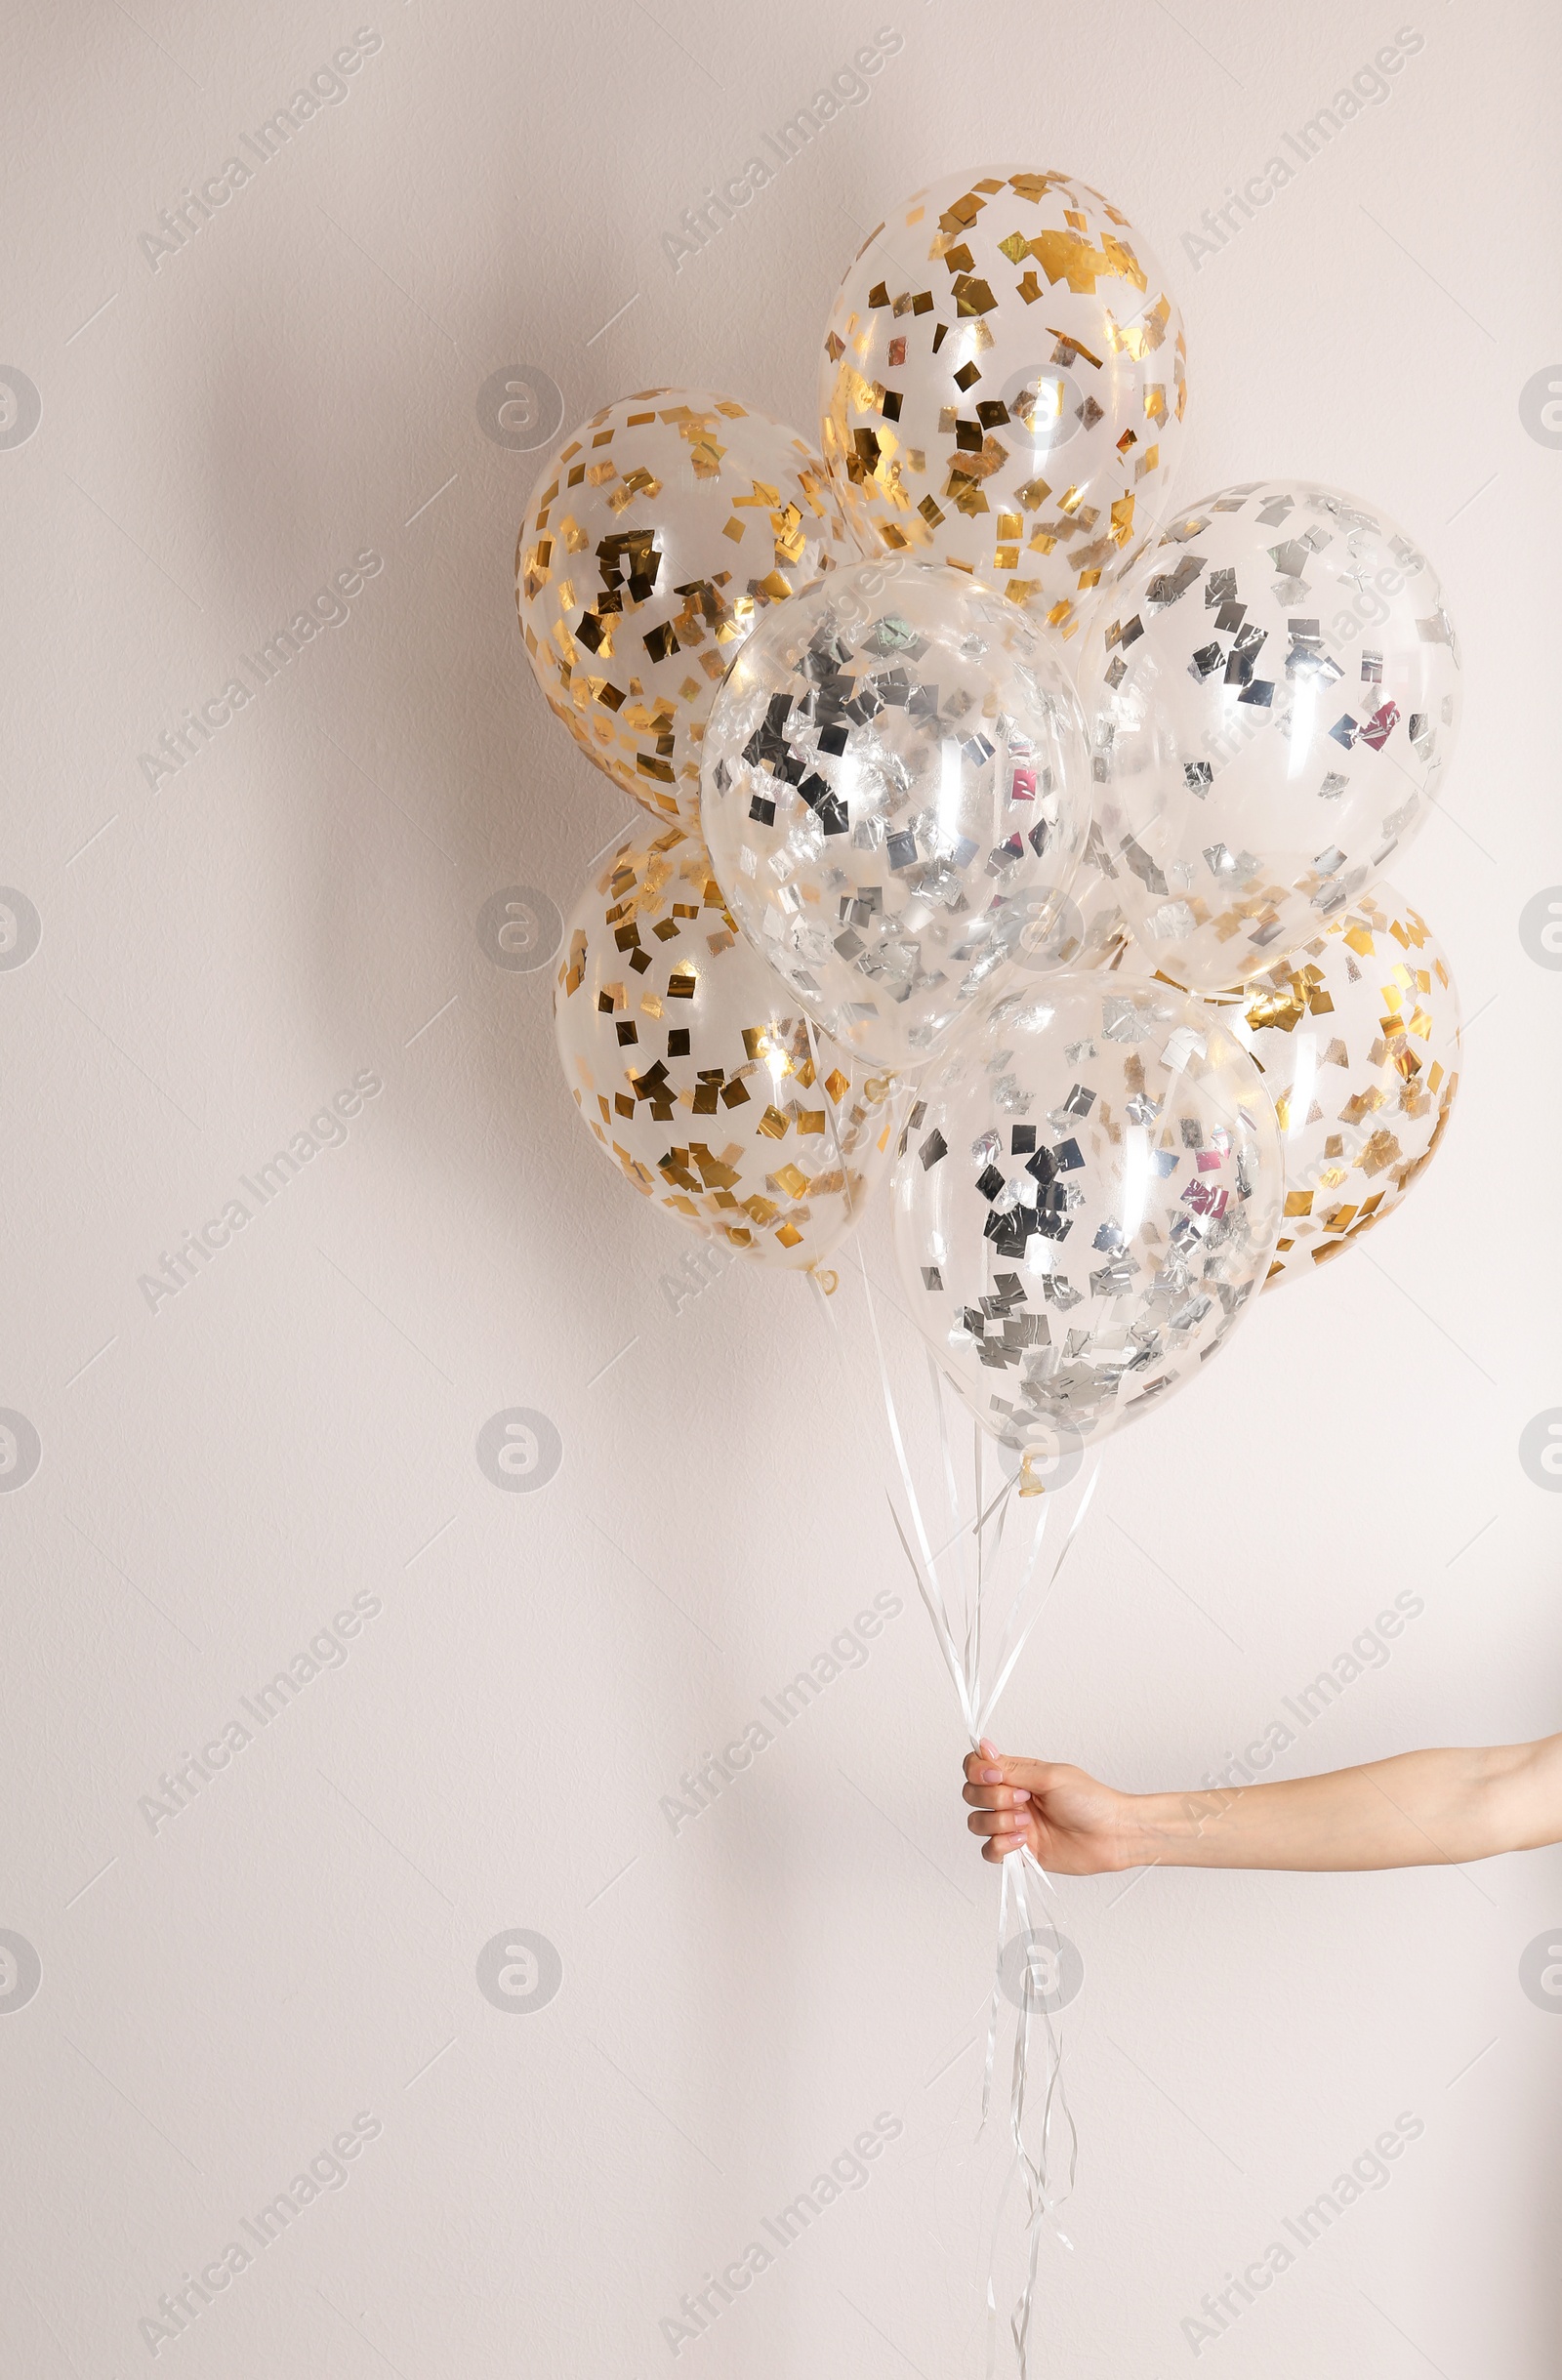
x=417 y=765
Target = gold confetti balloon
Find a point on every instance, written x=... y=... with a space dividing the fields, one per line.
x=1358 y=1037
x=694 y=1072
x=656 y=536
x=1273 y=695
x=1088 y=1195
x=1002 y=386
x=896 y=794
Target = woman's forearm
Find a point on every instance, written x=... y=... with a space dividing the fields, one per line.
x=1421 y=1809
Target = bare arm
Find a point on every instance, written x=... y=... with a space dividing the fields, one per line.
x=1421 y=1809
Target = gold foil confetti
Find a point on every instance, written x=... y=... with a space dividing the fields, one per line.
x=690 y=1095
x=986 y=395
x=1377 y=1113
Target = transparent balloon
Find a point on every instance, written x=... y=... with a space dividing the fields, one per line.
x=1002 y=386
x=1273 y=697
x=896 y=794
x=1358 y=1038
x=1089 y=1194
x=656 y=536
x=696 y=1075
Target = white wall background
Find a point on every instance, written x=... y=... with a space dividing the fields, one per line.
x=220 y=1997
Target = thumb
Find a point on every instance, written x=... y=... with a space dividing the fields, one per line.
x=1034 y=1775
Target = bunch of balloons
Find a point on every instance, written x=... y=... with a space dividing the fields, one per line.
x=1008 y=833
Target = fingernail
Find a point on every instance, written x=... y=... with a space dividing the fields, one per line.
x=988 y=1746
x=1022 y=1793
x=992 y=1777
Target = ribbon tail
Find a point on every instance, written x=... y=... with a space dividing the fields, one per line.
x=998 y=1985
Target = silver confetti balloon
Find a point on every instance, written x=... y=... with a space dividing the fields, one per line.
x=895 y=794
x=1088 y=1195
x=1273 y=695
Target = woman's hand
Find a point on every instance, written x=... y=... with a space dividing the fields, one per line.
x=1415 y=1810
x=1070 y=1824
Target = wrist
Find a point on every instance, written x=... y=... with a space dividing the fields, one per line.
x=1138 y=1830
x=1169 y=1830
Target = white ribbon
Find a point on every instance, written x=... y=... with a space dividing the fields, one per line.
x=962 y=1650
x=977 y=1710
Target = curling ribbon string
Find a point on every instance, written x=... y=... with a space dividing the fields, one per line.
x=987 y=1709
x=964 y=1662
